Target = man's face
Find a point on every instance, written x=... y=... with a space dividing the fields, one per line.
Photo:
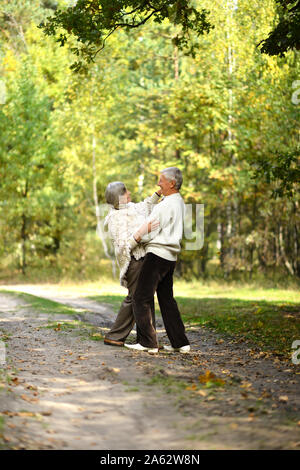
x=165 y=185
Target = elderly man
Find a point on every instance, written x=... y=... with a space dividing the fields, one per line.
x=156 y=275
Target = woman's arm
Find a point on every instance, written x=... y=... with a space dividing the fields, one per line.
x=145 y=207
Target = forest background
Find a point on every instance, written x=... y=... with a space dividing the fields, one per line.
x=227 y=117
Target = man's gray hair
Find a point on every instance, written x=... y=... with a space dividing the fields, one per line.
x=113 y=192
x=173 y=174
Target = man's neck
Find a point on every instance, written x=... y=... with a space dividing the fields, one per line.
x=174 y=191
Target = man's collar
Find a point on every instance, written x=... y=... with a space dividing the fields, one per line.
x=173 y=194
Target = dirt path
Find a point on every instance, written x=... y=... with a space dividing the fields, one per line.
x=67 y=391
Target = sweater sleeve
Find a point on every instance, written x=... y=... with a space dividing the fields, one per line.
x=145 y=207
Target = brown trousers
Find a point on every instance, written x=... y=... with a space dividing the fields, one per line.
x=125 y=319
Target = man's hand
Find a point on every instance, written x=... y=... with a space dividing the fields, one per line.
x=147 y=227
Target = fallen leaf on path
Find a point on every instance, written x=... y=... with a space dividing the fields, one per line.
x=25 y=414
x=16 y=381
x=31 y=387
x=284 y=398
x=209 y=377
x=29 y=399
x=206 y=377
x=246 y=385
x=11 y=425
x=202 y=393
x=191 y=387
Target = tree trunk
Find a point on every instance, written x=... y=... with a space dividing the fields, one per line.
x=100 y=230
x=24 y=234
x=287 y=264
x=23 y=243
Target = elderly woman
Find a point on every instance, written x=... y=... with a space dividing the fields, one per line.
x=126 y=223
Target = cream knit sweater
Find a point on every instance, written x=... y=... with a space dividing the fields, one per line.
x=122 y=223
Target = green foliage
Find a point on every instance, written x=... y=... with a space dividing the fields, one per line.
x=286 y=34
x=92 y=22
x=143 y=105
x=284 y=169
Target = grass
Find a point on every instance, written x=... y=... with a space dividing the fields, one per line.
x=271 y=325
x=82 y=329
x=40 y=304
x=268 y=317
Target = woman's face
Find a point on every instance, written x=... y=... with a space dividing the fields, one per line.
x=125 y=198
x=128 y=195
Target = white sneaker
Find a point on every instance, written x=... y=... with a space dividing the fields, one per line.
x=139 y=347
x=183 y=349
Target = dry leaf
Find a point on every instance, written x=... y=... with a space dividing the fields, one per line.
x=24 y=414
x=246 y=385
x=29 y=399
x=208 y=376
x=192 y=387
x=284 y=398
x=31 y=387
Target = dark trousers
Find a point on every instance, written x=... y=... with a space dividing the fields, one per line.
x=157 y=275
x=125 y=319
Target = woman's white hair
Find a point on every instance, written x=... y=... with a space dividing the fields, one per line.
x=113 y=192
x=173 y=174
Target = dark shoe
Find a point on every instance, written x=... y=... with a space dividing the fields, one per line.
x=113 y=342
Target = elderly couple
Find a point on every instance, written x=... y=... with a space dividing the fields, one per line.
x=146 y=238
